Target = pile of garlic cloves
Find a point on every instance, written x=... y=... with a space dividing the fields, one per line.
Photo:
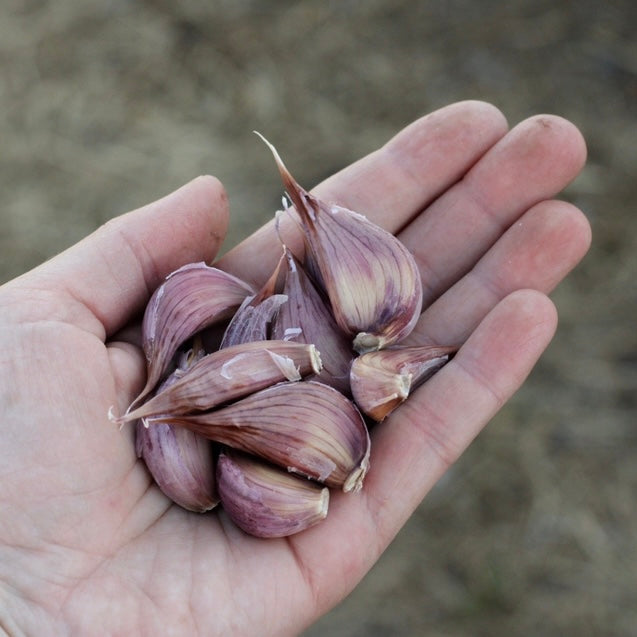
x=269 y=417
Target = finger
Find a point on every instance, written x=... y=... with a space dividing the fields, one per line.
x=537 y=252
x=396 y=182
x=414 y=446
x=108 y=276
x=392 y=184
x=533 y=162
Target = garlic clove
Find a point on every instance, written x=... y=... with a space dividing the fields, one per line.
x=382 y=380
x=229 y=374
x=307 y=318
x=264 y=500
x=370 y=277
x=308 y=428
x=253 y=319
x=190 y=299
x=180 y=461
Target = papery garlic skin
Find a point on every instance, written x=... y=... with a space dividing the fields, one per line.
x=382 y=380
x=264 y=500
x=229 y=374
x=307 y=428
x=372 y=280
x=191 y=298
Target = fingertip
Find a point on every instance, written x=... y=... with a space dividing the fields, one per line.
x=556 y=135
x=472 y=111
x=469 y=124
x=112 y=271
x=577 y=231
x=529 y=308
x=571 y=136
x=212 y=194
x=483 y=112
x=207 y=203
x=188 y=224
x=507 y=343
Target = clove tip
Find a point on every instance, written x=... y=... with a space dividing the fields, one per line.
x=116 y=420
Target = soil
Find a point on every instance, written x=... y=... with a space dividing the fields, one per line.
x=108 y=105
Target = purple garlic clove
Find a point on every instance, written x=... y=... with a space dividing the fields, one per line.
x=253 y=320
x=307 y=318
x=180 y=461
x=229 y=374
x=370 y=277
x=382 y=380
x=307 y=428
x=264 y=500
x=191 y=298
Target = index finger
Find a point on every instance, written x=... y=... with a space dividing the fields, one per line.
x=391 y=185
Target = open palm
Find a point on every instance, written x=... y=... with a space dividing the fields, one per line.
x=88 y=546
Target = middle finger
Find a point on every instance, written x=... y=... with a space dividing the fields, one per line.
x=533 y=162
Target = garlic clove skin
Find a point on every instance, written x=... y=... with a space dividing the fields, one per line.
x=191 y=298
x=307 y=318
x=307 y=428
x=264 y=500
x=383 y=380
x=370 y=277
x=229 y=374
x=181 y=463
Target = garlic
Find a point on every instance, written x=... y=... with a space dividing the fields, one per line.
x=253 y=319
x=357 y=290
x=229 y=374
x=180 y=461
x=382 y=380
x=306 y=318
x=265 y=501
x=370 y=277
x=307 y=428
x=191 y=298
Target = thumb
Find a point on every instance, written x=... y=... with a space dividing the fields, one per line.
x=107 y=277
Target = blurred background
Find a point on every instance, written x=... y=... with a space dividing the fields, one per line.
x=105 y=106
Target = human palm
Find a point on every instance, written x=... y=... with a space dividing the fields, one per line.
x=89 y=546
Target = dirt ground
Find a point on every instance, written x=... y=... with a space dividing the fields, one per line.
x=105 y=106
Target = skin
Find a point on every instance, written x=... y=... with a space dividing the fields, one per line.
x=88 y=546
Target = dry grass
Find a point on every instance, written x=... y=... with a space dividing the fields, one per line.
x=108 y=105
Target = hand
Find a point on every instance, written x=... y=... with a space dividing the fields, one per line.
x=88 y=546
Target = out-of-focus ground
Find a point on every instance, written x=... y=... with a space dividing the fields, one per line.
x=105 y=106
